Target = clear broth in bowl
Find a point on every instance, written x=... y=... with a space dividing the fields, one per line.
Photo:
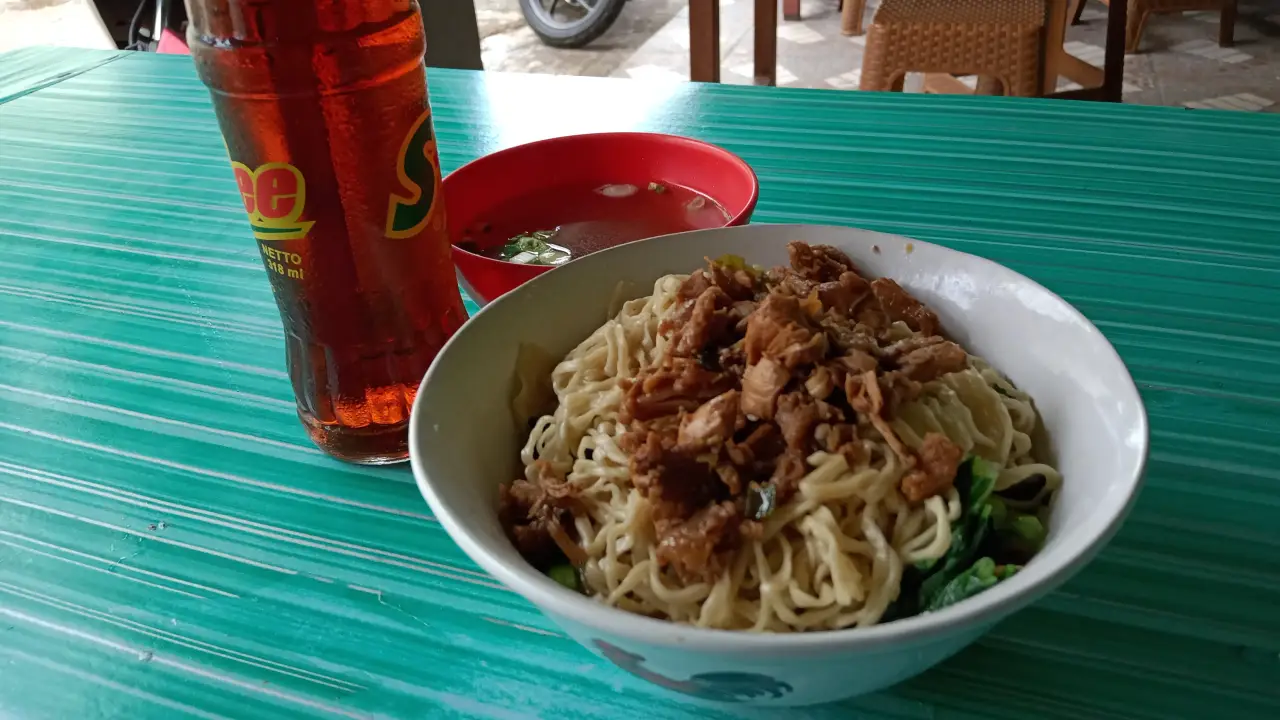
x=556 y=225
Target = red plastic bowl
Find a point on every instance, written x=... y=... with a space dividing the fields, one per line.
x=477 y=192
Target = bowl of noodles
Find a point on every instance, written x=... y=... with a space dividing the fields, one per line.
x=779 y=465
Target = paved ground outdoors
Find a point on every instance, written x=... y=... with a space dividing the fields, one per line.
x=1180 y=63
x=508 y=44
x=68 y=23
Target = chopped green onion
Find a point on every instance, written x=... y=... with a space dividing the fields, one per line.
x=657 y=187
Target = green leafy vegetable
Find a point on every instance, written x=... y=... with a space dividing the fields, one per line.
x=1029 y=528
x=761 y=500
x=1013 y=524
x=1018 y=535
x=965 y=539
x=999 y=512
x=534 y=249
x=982 y=476
x=982 y=575
x=736 y=262
x=975 y=480
x=566 y=575
x=980 y=541
x=731 y=261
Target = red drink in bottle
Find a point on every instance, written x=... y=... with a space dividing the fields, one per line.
x=323 y=106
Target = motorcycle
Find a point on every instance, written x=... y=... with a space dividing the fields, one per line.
x=159 y=25
x=577 y=23
x=144 y=25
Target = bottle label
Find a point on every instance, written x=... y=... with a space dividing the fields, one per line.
x=418 y=172
x=274 y=195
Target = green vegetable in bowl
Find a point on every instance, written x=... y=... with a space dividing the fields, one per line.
x=982 y=575
x=737 y=262
x=731 y=261
x=975 y=480
x=1018 y=535
x=534 y=249
x=566 y=575
x=1028 y=528
x=923 y=584
x=1000 y=537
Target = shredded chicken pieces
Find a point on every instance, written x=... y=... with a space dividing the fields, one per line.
x=763 y=369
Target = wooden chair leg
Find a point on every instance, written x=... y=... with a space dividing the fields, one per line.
x=1077 y=9
x=790 y=9
x=898 y=83
x=851 y=12
x=1227 y=24
x=1133 y=27
x=766 y=42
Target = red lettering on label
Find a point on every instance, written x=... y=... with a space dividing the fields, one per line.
x=244 y=181
x=277 y=192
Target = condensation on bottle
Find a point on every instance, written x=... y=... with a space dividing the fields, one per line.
x=323 y=107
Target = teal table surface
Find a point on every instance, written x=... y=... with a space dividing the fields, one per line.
x=171 y=546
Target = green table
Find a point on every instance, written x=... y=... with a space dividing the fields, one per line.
x=171 y=546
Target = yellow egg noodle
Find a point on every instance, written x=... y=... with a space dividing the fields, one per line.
x=833 y=556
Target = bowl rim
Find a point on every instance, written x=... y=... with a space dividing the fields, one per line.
x=984 y=608
x=738 y=219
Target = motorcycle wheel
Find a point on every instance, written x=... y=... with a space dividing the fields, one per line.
x=577 y=24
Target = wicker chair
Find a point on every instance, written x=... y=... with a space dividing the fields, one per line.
x=1141 y=10
x=999 y=40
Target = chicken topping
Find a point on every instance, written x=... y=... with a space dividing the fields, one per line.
x=762 y=370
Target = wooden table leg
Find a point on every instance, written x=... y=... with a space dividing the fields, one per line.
x=1106 y=84
x=704 y=40
x=791 y=10
x=1113 y=67
x=766 y=42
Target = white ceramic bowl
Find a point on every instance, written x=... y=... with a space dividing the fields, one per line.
x=463 y=445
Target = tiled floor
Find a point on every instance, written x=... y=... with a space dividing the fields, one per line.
x=70 y=23
x=1180 y=62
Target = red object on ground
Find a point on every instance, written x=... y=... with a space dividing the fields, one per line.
x=497 y=185
x=171 y=44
